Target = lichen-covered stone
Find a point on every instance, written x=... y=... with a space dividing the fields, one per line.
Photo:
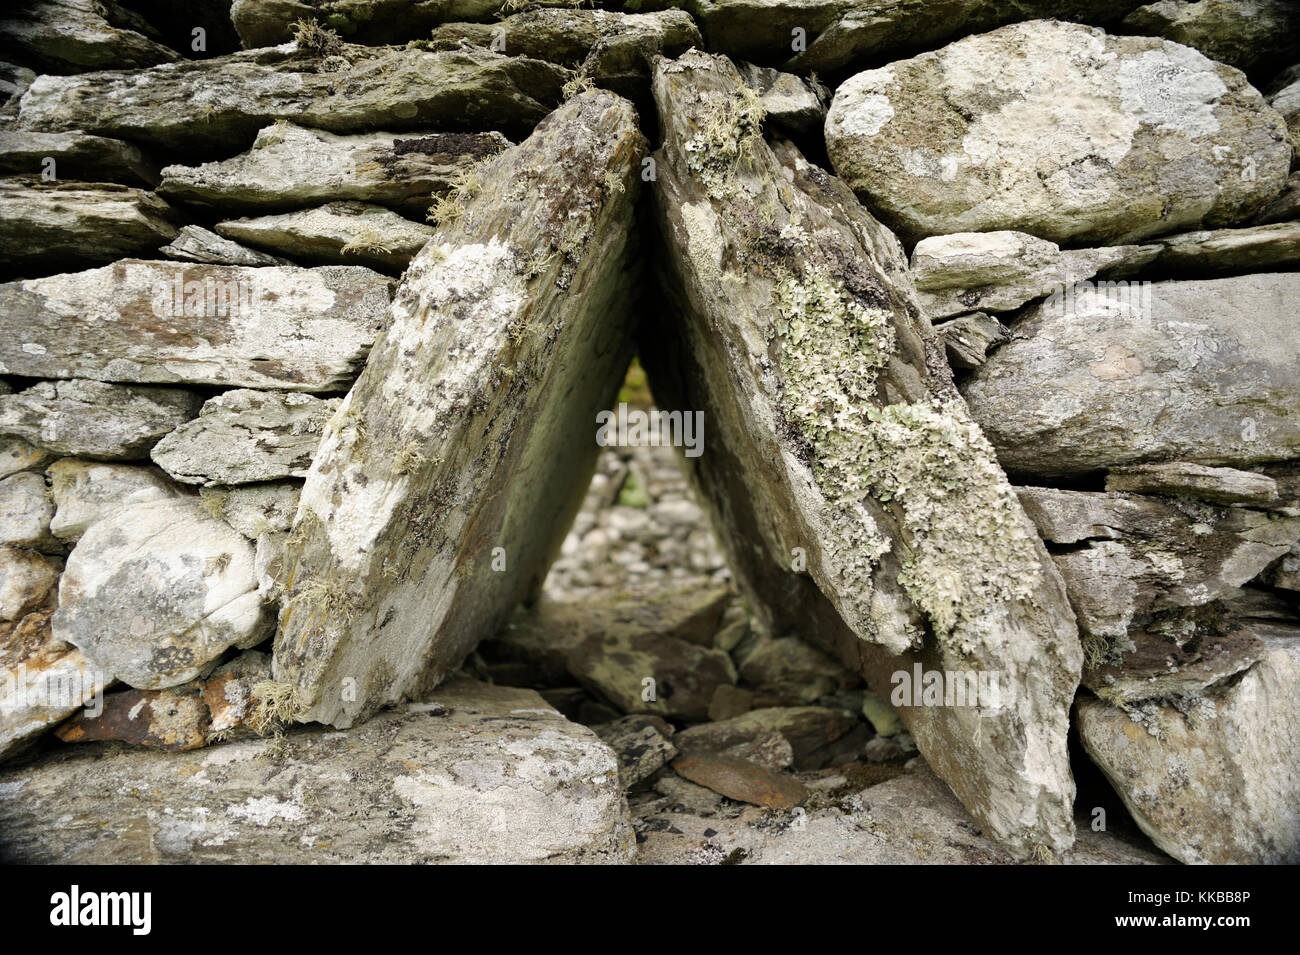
x=1247 y=34
x=197 y=244
x=338 y=232
x=76 y=155
x=27 y=582
x=84 y=491
x=74 y=36
x=254 y=509
x=1261 y=248
x=984 y=134
x=25 y=512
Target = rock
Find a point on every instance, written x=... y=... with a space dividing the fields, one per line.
x=210 y=104
x=790 y=103
x=43 y=681
x=1285 y=574
x=774 y=273
x=1286 y=100
x=14 y=81
x=498 y=777
x=84 y=491
x=949 y=142
x=807 y=729
x=1256 y=249
x=1000 y=271
x=1182 y=479
x=882 y=718
x=968 y=340
x=464 y=501
x=73 y=36
x=291 y=166
x=642 y=744
x=254 y=509
x=153 y=592
x=1202 y=372
x=742 y=780
x=94 y=419
x=1130 y=555
x=76 y=156
x=729 y=701
x=16 y=455
x=25 y=512
x=267 y=22
x=27 y=581
x=281 y=328
x=1285 y=207
x=1217 y=783
x=1247 y=34
x=244 y=436
x=231 y=694
x=196 y=244
x=338 y=232
x=787 y=671
x=51 y=226
x=172 y=720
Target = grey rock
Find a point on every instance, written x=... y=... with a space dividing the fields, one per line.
x=464 y=503
x=197 y=244
x=1171 y=141
x=1182 y=479
x=790 y=103
x=280 y=328
x=806 y=729
x=84 y=491
x=95 y=419
x=1102 y=377
x=17 y=455
x=642 y=744
x=338 y=232
x=499 y=777
x=49 y=226
x=14 y=81
x=1256 y=249
x=788 y=671
x=73 y=36
x=245 y=436
x=27 y=582
x=968 y=340
x=77 y=156
x=1286 y=100
x=1247 y=34
x=1285 y=207
x=254 y=509
x=25 y=512
x=153 y=592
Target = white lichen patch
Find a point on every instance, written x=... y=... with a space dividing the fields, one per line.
x=726 y=141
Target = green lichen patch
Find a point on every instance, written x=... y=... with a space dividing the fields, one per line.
x=726 y=141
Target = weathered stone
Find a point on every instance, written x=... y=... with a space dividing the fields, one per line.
x=790 y=103
x=16 y=455
x=231 y=696
x=1203 y=372
x=84 y=491
x=1000 y=271
x=244 y=436
x=73 y=36
x=196 y=244
x=282 y=328
x=464 y=501
x=729 y=701
x=1181 y=479
x=1218 y=782
x=643 y=745
x=1285 y=207
x=93 y=418
x=291 y=166
x=254 y=509
x=498 y=777
x=1256 y=249
x=836 y=445
x=787 y=671
x=1247 y=34
x=1131 y=555
x=968 y=340
x=76 y=156
x=742 y=780
x=338 y=232
x=14 y=81
x=172 y=720
x=51 y=226
x=25 y=512
x=807 y=729
x=27 y=582
x=684 y=676
x=1286 y=100
x=209 y=104
x=154 y=592
x=984 y=135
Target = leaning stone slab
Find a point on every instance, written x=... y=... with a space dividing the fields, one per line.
x=211 y=104
x=984 y=135
x=51 y=226
x=77 y=156
x=474 y=774
x=245 y=436
x=291 y=166
x=73 y=36
x=444 y=485
x=160 y=322
x=94 y=419
x=154 y=592
x=338 y=232
x=197 y=244
x=829 y=408
x=1203 y=372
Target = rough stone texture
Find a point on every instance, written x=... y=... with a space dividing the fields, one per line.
x=338 y=232
x=1247 y=34
x=197 y=244
x=1219 y=783
x=441 y=464
x=210 y=104
x=1130 y=554
x=244 y=436
x=617 y=666
x=1203 y=372
x=94 y=419
x=805 y=729
x=802 y=342
x=968 y=340
x=73 y=36
x=27 y=581
x=25 y=512
x=1256 y=249
x=1000 y=271
x=84 y=491
x=1286 y=206
x=48 y=226
x=16 y=455
x=1181 y=479
x=790 y=103
x=290 y=166
x=643 y=745
x=478 y=774
x=1286 y=100
x=281 y=328
x=172 y=720
x=988 y=133
x=155 y=591
x=76 y=156
x=255 y=509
